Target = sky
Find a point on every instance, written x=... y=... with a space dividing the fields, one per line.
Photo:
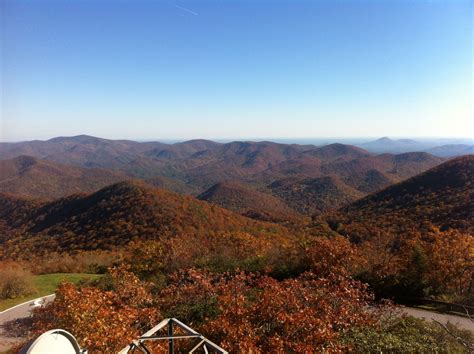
x=236 y=69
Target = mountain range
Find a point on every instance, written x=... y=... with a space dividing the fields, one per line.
x=305 y=179
x=126 y=211
x=437 y=147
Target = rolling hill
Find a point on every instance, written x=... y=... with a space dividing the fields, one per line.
x=440 y=197
x=263 y=163
x=338 y=151
x=370 y=174
x=344 y=180
x=194 y=166
x=247 y=201
x=452 y=150
x=31 y=177
x=81 y=150
x=315 y=195
x=182 y=150
x=114 y=216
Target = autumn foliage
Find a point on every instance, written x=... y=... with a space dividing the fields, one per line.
x=296 y=315
x=242 y=312
x=102 y=321
x=250 y=286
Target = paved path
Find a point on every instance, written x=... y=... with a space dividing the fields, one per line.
x=14 y=313
x=461 y=322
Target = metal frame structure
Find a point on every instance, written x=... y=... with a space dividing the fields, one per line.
x=170 y=324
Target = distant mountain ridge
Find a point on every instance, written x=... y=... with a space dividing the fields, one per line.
x=193 y=167
x=438 y=148
x=452 y=150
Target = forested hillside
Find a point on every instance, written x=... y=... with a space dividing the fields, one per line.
x=416 y=237
x=314 y=195
x=194 y=166
x=31 y=177
x=249 y=202
x=441 y=197
x=114 y=216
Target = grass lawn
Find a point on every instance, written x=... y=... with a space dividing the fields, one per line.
x=46 y=284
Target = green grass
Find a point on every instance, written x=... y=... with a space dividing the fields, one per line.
x=46 y=284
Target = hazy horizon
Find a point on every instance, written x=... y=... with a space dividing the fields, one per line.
x=283 y=140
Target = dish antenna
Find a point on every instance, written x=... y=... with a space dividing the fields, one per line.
x=56 y=341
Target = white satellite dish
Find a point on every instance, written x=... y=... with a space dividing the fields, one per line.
x=56 y=341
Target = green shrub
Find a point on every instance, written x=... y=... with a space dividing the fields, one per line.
x=408 y=335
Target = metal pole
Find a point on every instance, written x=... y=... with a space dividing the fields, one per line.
x=170 y=334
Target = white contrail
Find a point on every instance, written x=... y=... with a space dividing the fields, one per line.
x=185 y=9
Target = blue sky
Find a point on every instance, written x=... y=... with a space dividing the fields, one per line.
x=236 y=69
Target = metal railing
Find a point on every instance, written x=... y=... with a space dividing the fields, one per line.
x=170 y=325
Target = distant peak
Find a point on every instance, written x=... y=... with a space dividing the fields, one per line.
x=83 y=136
x=76 y=138
x=198 y=141
x=384 y=139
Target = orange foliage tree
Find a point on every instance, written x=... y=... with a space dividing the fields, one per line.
x=102 y=321
x=451 y=262
x=245 y=312
x=241 y=312
x=332 y=255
